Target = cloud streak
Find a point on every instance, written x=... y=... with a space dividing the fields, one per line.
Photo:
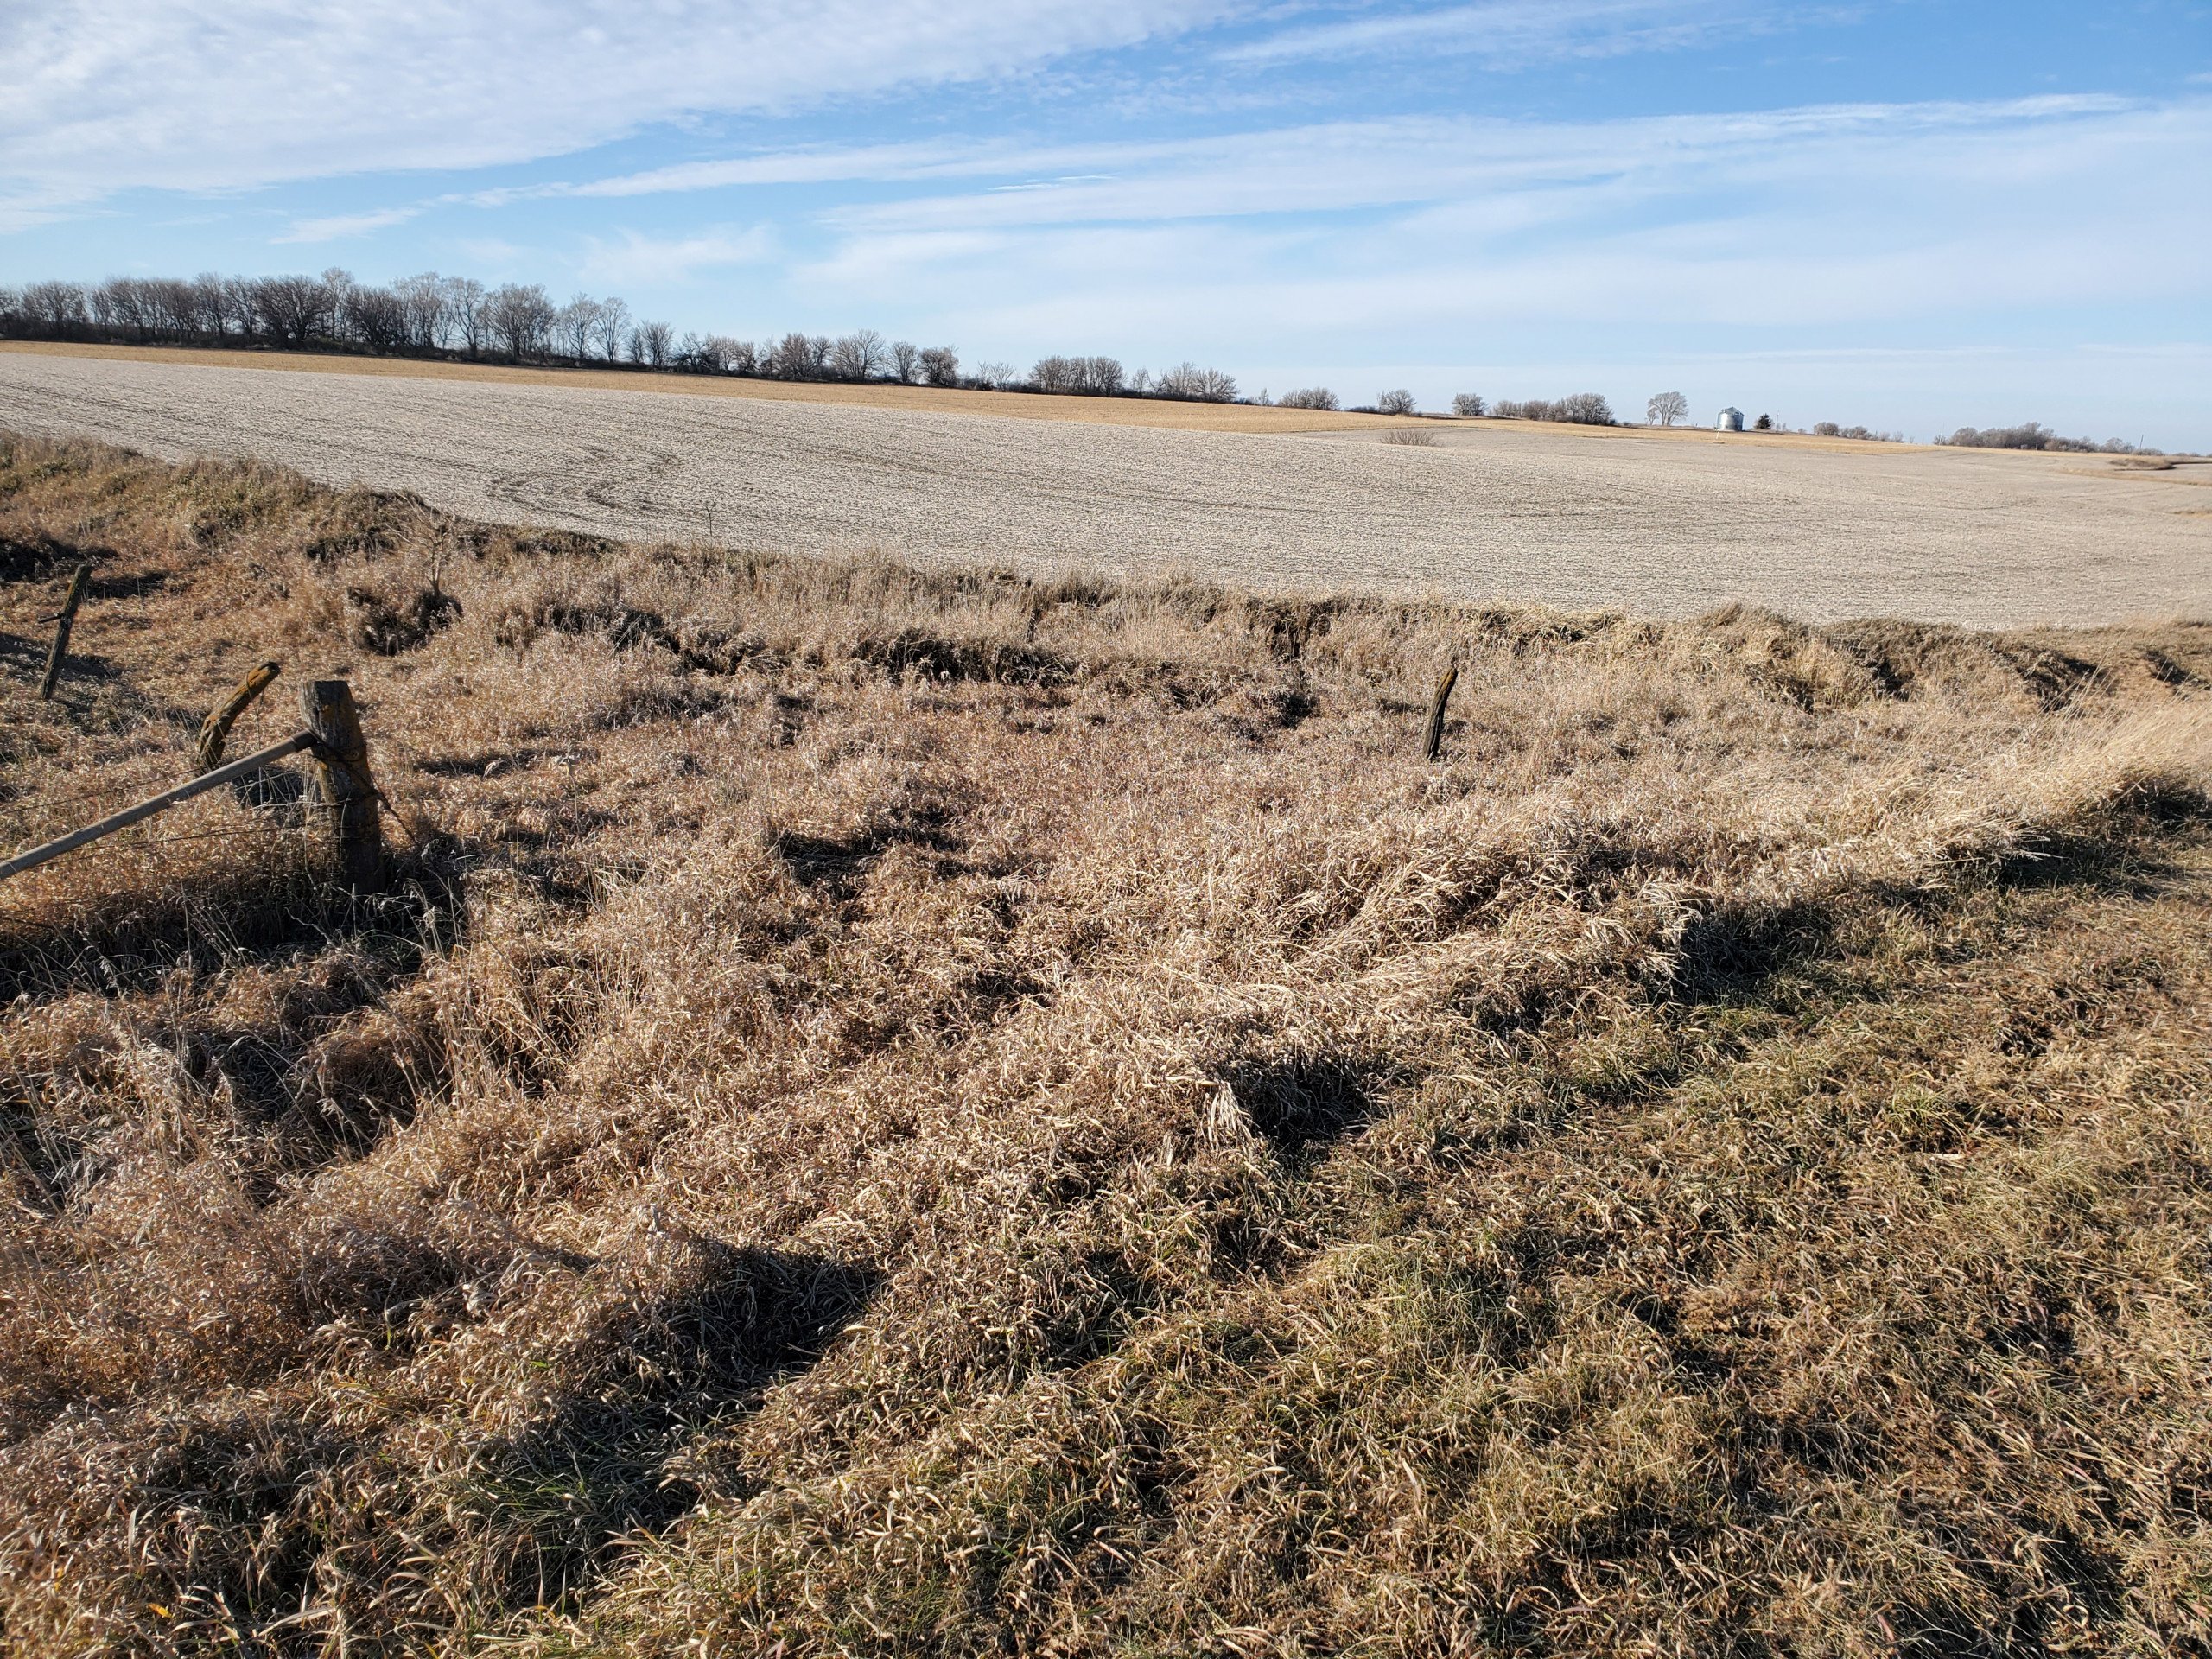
x=1791 y=220
x=1350 y=167
x=223 y=94
x=634 y=259
x=338 y=226
x=1520 y=31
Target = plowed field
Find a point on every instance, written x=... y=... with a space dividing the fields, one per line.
x=1495 y=511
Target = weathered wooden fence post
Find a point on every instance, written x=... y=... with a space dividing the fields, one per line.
x=1432 y=743
x=216 y=730
x=349 y=793
x=63 y=623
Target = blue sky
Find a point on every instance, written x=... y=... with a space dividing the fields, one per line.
x=1909 y=215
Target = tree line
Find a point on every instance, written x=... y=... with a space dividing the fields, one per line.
x=2035 y=435
x=431 y=315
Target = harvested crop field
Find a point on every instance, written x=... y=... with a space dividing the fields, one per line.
x=1496 y=512
x=889 y=1111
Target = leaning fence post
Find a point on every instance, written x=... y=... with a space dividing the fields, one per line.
x=349 y=794
x=63 y=623
x=216 y=730
x=1432 y=743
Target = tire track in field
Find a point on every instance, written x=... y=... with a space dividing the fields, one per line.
x=1497 y=513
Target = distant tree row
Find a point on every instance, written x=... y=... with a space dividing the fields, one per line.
x=1577 y=409
x=1581 y=408
x=2035 y=435
x=430 y=315
x=1830 y=430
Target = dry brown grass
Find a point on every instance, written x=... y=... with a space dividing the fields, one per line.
x=894 y=1112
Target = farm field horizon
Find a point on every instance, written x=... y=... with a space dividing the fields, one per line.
x=1653 y=523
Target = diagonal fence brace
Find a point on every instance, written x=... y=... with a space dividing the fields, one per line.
x=153 y=803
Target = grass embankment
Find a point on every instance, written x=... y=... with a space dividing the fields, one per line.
x=894 y=1113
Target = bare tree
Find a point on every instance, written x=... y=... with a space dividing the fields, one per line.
x=791 y=358
x=376 y=317
x=1057 y=374
x=171 y=308
x=905 y=361
x=290 y=310
x=198 y=306
x=1098 y=375
x=995 y=375
x=1194 y=384
x=117 y=306
x=337 y=283
x=1584 y=408
x=237 y=300
x=802 y=357
x=218 y=315
x=1400 y=401
x=731 y=356
x=860 y=355
x=653 y=344
x=521 y=318
x=611 y=328
x=574 y=325
x=423 y=301
x=1467 y=404
x=1666 y=408
x=465 y=310
x=1310 y=397
x=940 y=365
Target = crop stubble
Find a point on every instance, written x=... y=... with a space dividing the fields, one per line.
x=1499 y=511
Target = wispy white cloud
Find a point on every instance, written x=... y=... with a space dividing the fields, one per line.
x=814 y=165
x=636 y=260
x=966 y=158
x=1346 y=166
x=1517 y=31
x=1322 y=168
x=1787 y=219
x=338 y=226
x=106 y=95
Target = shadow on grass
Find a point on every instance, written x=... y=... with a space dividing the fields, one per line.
x=119 y=942
x=836 y=864
x=571 y=1493
x=1304 y=1105
x=1730 y=953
